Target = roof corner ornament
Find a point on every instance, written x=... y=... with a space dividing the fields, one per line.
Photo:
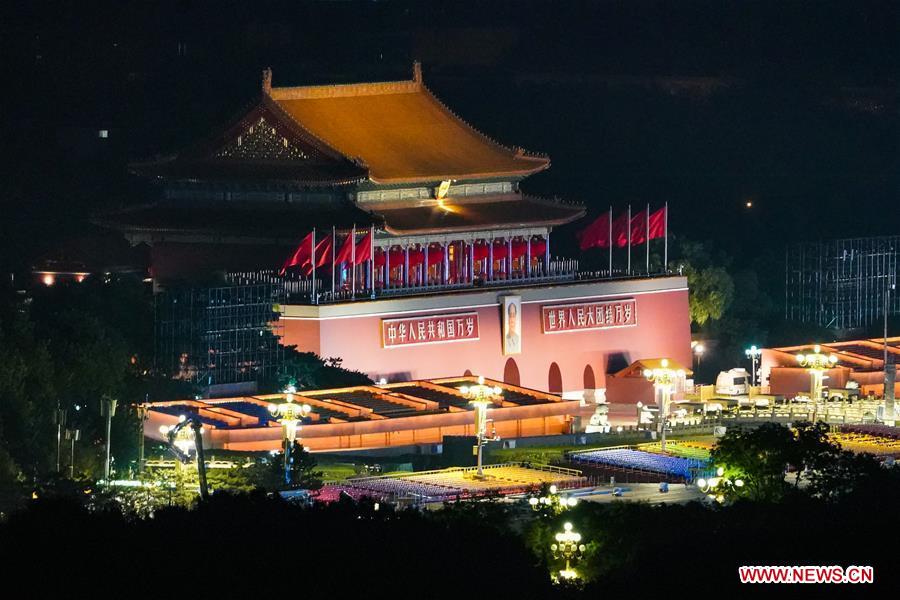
x=267 y=81
x=417 y=72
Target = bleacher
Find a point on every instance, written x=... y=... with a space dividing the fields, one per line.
x=247 y=408
x=879 y=429
x=370 y=400
x=176 y=410
x=508 y=395
x=435 y=486
x=683 y=449
x=867 y=443
x=637 y=460
x=443 y=398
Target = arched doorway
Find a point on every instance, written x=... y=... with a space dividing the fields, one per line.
x=511 y=373
x=589 y=382
x=554 y=379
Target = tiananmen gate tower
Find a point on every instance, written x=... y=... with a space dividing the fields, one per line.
x=389 y=233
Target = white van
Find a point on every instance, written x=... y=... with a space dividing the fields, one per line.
x=735 y=382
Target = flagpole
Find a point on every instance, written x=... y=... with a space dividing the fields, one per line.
x=610 y=240
x=372 y=259
x=647 y=235
x=629 y=239
x=353 y=262
x=333 y=257
x=666 y=239
x=312 y=263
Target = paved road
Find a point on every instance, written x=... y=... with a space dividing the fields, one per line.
x=678 y=493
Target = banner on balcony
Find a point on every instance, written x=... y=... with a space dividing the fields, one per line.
x=562 y=318
x=430 y=329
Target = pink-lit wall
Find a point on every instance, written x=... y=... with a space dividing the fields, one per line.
x=662 y=330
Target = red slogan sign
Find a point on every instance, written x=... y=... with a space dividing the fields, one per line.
x=431 y=329
x=589 y=315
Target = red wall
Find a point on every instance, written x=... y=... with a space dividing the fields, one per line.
x=663 y=330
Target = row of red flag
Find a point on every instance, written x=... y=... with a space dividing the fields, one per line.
x=310 y=252
x=305 y=256
x=605 y=230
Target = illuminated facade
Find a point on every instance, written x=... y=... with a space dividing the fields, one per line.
x=412 y=251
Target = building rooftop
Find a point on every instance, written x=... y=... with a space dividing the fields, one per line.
x=401 y=132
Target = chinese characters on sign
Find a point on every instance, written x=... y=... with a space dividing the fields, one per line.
x=589 y=315
x=431 y=329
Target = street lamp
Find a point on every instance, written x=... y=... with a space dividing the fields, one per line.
x=663 y=380
x=568 y=545
x=714 y=486
x=753 y=353
x=553 y=502
x=481 y=396
x=699 y=349
x=108 y=410
x=816 y=363
x=291 y=415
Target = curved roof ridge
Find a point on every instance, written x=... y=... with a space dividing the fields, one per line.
x=339 y=90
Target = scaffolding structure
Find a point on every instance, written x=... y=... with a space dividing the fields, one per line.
x=219 y=335
x=842 y=284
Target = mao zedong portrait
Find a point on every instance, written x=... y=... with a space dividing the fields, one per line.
x=513 y=341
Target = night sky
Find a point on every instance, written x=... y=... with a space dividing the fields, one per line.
x=706 y=105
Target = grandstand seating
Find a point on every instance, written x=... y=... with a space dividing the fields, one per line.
x=878 y=429
x=444 y=398
x=683 y=449
x=371 y=400
x=863 y=442
x=627 y=458
x=247 y=408
x=432 y=486
x=182 y=409
x=508 y=395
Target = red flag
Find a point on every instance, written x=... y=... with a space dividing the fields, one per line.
x=595 y=235
x=346 y=251
x=499 y=249
x=323 y=255
x=301 y=255
x=620 y=230
x=416 y=257
x=658 y=224
x=364 y=249
x=519 y=248
x=639 y=228
x=435 y=255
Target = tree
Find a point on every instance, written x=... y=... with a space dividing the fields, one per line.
x=812 y=450
x=309 y=371
x=711 y=288
x=759 y=456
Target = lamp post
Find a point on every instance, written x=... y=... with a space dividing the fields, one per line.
x=108 y=410
x=816 y=363
x=663 y=380
x=290 y=415
x=711 y=487
x=753 y=353
x=481 y=396
x=73 y=435
x=552 y=502
x=568 y=546
x=699 y=349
